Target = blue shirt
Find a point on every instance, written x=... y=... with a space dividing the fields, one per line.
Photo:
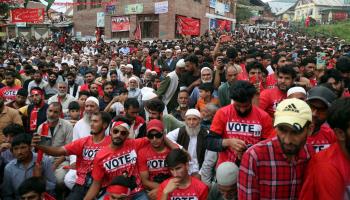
x=15 y=173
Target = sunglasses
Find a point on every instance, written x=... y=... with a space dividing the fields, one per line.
x=157 y=135
x=123 y=133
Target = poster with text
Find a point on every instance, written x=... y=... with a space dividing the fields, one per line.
x=120 y=24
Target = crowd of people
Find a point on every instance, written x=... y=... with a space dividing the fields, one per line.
x=250 y=115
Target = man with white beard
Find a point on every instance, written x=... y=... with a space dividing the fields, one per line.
x=206 y=77
x=192 y=138
x=62 y=97
x=81 y=129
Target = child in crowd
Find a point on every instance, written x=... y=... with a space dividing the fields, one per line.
x=206 y=96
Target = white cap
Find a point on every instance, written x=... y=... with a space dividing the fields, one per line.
x=129 y=66
x=93 y=99
x=153 y=72
x=194 y=112
x=133 y=78
x=148 y=96
x=294 y=90
x=226 y=174
x=181 y=63
x=169 y=50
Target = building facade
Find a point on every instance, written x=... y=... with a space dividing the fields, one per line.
x=317 y=9
x=156 y=19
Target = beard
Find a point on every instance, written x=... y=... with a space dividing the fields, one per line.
x=61 y=94
x=207 y=81
x=192 y=131
x=50 y=119
x=10 y=83
x=87 y=117
x=117 y=141
x=290 y=152
x=309 y=74
x=245 y=113
x=183 y=105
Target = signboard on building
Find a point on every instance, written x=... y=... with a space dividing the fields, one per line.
x=220 y=8
x=161 y=7
x=100 y=19
x=120 y=24
x=133 y=9
x=21 y=24
x=31 y=15
x=110 y=9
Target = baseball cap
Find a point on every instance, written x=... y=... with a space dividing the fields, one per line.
x=155 y=124
x=294 y=112
x=322 y=93
x=226 y=174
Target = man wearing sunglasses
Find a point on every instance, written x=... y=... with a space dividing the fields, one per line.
x=280 y=162
x=118 y=158
x=151 y=160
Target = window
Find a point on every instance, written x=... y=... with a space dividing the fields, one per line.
x=149 y=25
x=96 y=4
x=82 y=6
x=120 y=35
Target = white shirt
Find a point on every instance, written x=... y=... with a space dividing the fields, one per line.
x=192 y=149
x=64 y=102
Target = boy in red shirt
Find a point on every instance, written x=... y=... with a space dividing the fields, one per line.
x=270 y=98
x=182 y=185
x=151 y=160
x=328 y=173
x=85 y=149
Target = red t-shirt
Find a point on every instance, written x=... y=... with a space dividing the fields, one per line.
x=9 y=93
x=197 y=190
x=152 y=161
x=85 y=87
x=322 y=139
x=251 y=129
x=110 y=163
x=85 y=149
x=327 y=176
x=269 y=99
x=271 y=81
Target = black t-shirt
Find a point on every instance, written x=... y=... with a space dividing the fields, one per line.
x=187 y=79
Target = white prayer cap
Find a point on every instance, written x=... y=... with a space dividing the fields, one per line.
x=129 y=66
x=194 y=112
x=181 y=63
x=296 y=90
x=93 y=99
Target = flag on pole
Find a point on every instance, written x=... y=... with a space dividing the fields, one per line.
x=137 y=32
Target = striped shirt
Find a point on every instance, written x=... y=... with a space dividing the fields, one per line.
x=265 y=172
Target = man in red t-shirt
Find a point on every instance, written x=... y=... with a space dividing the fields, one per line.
x=181 y=185
x=328 y=173
x=85 y=149
x=319 y=99
x=118 y=158
x=10 y=90
x=237 y=126
x=151 y=160
x=270 y=98
x=277 y=62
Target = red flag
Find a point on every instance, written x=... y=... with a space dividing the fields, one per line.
x=137 y=32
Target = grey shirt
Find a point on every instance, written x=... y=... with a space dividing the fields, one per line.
x=15 y=173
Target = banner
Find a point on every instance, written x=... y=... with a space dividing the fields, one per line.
x=161 y=7
x=188 y=26
x=224 y=24
x=105 y=3
x=31 y=15
x=133 y=9
x=137 y=32
x=120 y=24
x=100 y=19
